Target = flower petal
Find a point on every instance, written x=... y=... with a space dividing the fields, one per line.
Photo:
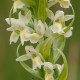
x=64 y=3
x=30 y=50
x=60 y=67
x=37 y=62
x=18 y=4
x=34 y=38
x=50 y=14
x=14 y=37
x=25 y=19
x=40 y=28
x=22 y=36
x=68 y=17
x=48 y=66
x=69 y=32
x=59 y=16
x=23 y=58
x=11 y=20
x=57 y=28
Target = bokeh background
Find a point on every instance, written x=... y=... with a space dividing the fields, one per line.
x=11 y=70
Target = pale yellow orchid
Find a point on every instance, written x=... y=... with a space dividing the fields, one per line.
x=48 y=68
x=38 y=34
x=57 y=26
x=59 y=29
x=60 y=17
x=18 y=4
x=19 y=28
x=64 y=3
x=32 y=54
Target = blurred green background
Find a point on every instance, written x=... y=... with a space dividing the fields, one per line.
x=12 y=70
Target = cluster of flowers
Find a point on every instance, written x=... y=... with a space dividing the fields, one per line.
x=37 y=32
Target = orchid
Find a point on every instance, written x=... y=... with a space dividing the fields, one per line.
x=19 y=28
x=39 y=32
x=32 y=54
x=48 y=67
x=64 y=3
x=58 y=21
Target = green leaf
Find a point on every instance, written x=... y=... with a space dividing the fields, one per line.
x=64 y=73
x=26 y=67
x=42 y=10
x=58 y=43
x=45 y=47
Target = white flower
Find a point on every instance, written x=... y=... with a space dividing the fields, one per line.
x=37 y=62
x=36 y=36
x=48 y=68
x=64 y=3
x=18 y=28
x=18 y=4
x=69 y=32
x=57 y=28
x=32 y=54
x=40 y=28
x=60 y=17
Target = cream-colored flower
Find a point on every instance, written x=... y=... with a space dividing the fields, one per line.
x=48 y=68
x=36 y=59
x=38 y=34
x=64 y=3
x=40 y=28
x=18 y=28
x=57 y=28
x=32 y=54
x=34 y=37
x=37 y=62
x=18 y=4
x=60 y=17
